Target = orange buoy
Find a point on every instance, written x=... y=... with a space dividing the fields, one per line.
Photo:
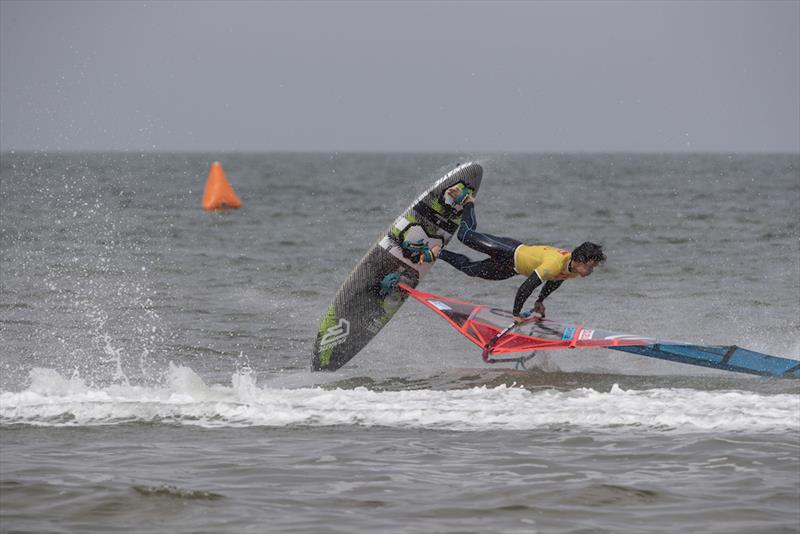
x=219 y=193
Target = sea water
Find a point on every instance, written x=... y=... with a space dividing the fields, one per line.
x=154 y=365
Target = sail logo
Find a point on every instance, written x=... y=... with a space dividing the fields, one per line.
x=586 y=334
x=335 y=335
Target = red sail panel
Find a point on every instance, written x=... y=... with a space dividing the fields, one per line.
x=456 y=312
x=480 y=324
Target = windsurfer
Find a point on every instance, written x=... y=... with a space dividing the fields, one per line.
x=509 y=257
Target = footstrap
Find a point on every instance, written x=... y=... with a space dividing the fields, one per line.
x=419 y=250
x=459 y=199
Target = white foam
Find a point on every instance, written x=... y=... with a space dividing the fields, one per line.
x=52 y=400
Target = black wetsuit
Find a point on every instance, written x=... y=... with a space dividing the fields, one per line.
x=500 y=263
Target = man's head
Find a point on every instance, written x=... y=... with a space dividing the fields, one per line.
x=586 y=257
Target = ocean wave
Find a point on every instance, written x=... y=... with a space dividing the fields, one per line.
x=185 y=399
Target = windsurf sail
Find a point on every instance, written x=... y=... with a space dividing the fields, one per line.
x=493 y=330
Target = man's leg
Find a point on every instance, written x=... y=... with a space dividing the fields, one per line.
x=500 y=248
x=488 y=269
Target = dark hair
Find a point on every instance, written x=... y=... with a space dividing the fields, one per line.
x=588 y=251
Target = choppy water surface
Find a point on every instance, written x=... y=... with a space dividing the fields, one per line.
x=154 y=363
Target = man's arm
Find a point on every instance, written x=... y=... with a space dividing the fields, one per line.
x=525 y=291
x=549 y=287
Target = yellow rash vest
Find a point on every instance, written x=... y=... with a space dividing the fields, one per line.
x=549 y=263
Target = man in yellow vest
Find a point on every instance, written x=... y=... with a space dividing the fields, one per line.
x=509 y=257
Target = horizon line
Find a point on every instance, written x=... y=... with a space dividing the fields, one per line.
x=395 y=152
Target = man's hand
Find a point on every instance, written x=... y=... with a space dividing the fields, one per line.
x=539 y=308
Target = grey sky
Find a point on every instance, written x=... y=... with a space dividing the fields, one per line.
x=411 y=76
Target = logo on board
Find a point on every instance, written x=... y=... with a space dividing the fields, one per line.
x=335 y=335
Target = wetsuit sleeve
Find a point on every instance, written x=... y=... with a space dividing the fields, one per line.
x=525 y=291
x=549 y=287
